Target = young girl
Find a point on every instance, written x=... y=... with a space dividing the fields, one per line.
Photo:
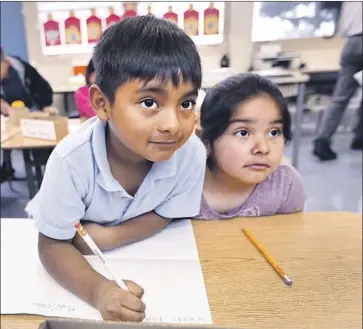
x=81 y=97
x=245 y=123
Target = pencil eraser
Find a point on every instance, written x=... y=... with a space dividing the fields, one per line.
x=77 y=225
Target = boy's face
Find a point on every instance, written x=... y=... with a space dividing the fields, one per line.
x=151 y=119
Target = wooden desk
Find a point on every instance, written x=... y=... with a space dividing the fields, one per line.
x=8 y=134
x=322 y=253
x=316 y=70
x=16 y=141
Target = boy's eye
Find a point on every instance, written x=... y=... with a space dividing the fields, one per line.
x=242 y=133
x=187 y=105
x=275 y=132
x=149 y=104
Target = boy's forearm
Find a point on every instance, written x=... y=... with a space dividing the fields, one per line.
x=138 y=228
x=70 y=269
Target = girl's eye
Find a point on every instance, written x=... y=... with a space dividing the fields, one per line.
x=275 y=132
x=242 y=133
x=188 y=105
x=149 y=104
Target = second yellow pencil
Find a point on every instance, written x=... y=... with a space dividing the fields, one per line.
x=268 y=257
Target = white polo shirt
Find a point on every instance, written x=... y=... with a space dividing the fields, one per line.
x=78 y=184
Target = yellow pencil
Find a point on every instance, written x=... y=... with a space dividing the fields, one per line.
x=92 y=245
x=268 y=257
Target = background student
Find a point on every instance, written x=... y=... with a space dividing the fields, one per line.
x=351 y=62
x=21 y=82
x=83 y=104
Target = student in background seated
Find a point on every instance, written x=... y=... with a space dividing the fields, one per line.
x=83 y=104
x=19 y=81
x=245 y=123
x=127 y=172
x=22 y=82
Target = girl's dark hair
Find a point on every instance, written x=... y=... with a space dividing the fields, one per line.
x=223 y=99
x=90 y=69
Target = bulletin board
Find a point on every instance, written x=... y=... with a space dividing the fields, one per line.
x=75 y=27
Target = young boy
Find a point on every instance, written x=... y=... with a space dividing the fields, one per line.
x=127 y=172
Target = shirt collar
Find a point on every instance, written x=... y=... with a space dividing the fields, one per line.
x=159 y=170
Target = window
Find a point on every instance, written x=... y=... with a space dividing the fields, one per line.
x=290 y=20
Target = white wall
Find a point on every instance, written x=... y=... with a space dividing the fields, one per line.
x=317 y=53
x=238 y=28
x=57 y=69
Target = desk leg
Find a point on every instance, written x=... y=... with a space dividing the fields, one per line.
x=298 y=119
x=39 y=175
x=29 y=174
x=65 y=103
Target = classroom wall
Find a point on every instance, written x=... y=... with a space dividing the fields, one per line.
x=12 y=29
x=317 y=53
x=57 y=69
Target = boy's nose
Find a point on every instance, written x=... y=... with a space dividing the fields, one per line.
x=169 y=122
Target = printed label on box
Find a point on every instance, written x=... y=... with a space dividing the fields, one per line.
x=38 y=129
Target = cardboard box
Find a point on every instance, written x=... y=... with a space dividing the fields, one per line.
x=5 y=124
x=83 y=324
x=15 y=114
x=52 y=128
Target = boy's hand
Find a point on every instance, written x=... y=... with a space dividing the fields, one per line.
x=51 y=110
x=101 y=235
x=116 y=304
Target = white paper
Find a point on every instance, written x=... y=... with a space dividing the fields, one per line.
x=166 y=265
x=34 y=128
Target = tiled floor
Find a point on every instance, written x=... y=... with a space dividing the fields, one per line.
x=335 y=185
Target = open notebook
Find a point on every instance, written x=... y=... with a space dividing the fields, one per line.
x=166 y=265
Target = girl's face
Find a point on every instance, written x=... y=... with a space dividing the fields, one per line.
x=252 y=146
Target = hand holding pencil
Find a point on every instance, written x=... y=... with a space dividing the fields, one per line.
x=117 y=300
x=116 y=304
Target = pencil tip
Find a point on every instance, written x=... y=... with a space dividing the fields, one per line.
x=287 y=280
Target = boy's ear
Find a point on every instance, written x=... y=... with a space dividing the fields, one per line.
x=99 y=102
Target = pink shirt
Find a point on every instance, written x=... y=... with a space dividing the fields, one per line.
x=82 y=103
x=281 y=193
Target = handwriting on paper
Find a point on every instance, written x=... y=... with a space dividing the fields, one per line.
x=188 y=319
x=175 y=319
x=54 y=307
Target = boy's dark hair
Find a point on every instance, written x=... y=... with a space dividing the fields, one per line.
x=222 y=100
x=90 y=69
x=145 y=47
